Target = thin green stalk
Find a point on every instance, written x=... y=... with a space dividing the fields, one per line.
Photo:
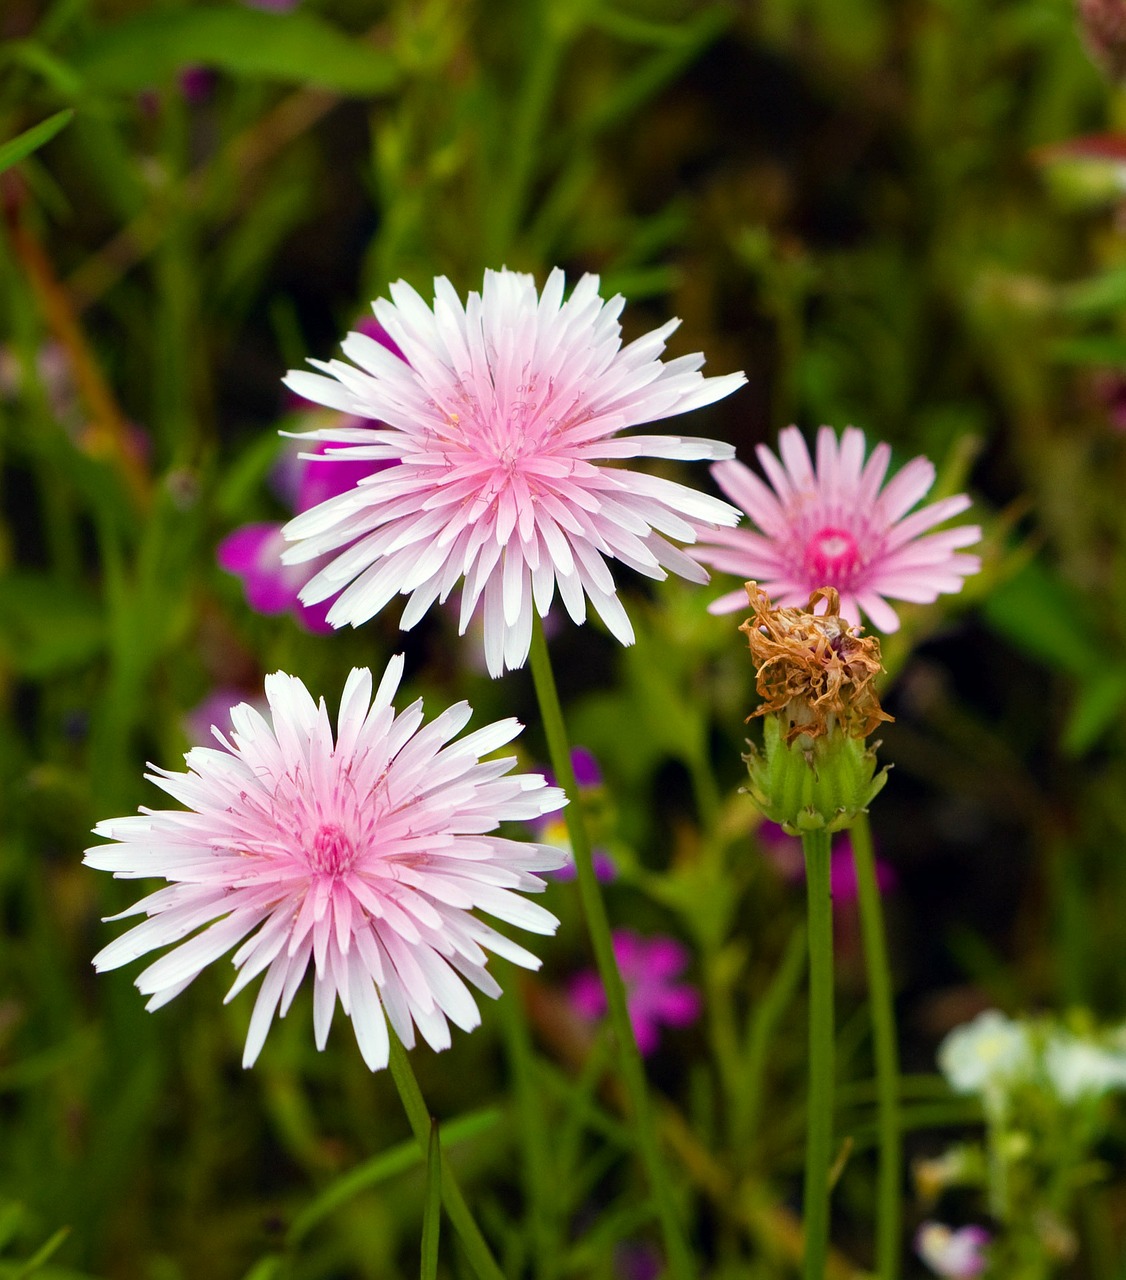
x=819 y=1119
x=542 y=1191
x=681 y=1266
x=890 y=1176
x=473 y=1242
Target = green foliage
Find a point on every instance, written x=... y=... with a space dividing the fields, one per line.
x=846 y=198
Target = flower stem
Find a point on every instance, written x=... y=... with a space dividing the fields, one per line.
x=473 y=1242
x=819 y=1123
x=598 y=925
x=888 y=1210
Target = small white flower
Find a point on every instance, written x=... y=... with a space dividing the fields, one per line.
x=1078 y=1068
x=988 y=1052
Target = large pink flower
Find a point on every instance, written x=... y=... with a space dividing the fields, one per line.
x=502 y=414
x=835 y=526
x=367 y=855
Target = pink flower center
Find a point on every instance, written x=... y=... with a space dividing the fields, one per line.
x=332 y=853
x=831 y=556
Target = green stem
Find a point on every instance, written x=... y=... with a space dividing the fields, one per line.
x=680 y=1262
x=481 y=1259
x=819 y=1120
x=890 y=1177
x=542 y=1195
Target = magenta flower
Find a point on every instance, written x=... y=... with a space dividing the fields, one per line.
x=367 y=856
x=253 y=552
x=955 y=1254
x=502 y=416
x=838 y=526
x=649 y=969
x=842 y=873
x=785 y=853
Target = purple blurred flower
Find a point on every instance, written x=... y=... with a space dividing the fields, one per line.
x=253 y=552
x=215 y=709
x=272 y=6
x=954 y=1254
x=635 y=1260
x=1109 y=387
x=553 y=830
x=196 y=84
x=784 y=851
x=649 y=969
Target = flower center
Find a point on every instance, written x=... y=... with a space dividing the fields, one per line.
x=831 y=556
x=332 y=852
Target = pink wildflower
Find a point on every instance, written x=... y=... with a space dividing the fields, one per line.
x=649 y=969
x=502 y=416
x=955 y=1254
x=835 y=526
x=367 y=856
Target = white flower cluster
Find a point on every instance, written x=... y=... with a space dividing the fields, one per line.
x=994 y=1053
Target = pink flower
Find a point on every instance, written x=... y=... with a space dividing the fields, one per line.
x=649 y=967
x=367 y=856
x=502 y=416
x=957 y=1255
x=834 y=526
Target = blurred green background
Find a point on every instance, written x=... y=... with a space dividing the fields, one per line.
x=874 y=207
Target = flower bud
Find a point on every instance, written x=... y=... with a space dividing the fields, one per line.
x=816 y=679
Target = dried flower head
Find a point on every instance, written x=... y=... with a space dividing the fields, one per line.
x=813 y=667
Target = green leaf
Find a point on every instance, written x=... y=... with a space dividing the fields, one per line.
x=1099 y=702
x=1098 y=349
x=1042 y=616
x=46 y=626
x=1097 y=296
x=432 y=1216
x=13 y=152
x=298 y=48
x=386 y=1165
x=43 y=1255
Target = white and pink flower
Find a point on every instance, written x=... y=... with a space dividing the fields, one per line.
x=366 y=855
x=503 y=415
x=838 y=525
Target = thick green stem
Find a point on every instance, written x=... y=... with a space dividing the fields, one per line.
x=680 y=1262
x=890 y=1176
x=819 y=1122
x=476 y=1250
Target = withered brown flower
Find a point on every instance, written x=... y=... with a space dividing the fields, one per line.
x=813 y=668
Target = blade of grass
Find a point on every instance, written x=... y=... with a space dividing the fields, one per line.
x=30 y=140
x=432 y=1216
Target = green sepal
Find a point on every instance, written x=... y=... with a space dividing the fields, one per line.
x=812 y=784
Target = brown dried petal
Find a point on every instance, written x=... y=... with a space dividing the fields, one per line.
x=814 y=668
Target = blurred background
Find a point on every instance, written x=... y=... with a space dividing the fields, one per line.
x=906 y=215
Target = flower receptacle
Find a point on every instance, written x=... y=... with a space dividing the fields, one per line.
x=812 y=783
